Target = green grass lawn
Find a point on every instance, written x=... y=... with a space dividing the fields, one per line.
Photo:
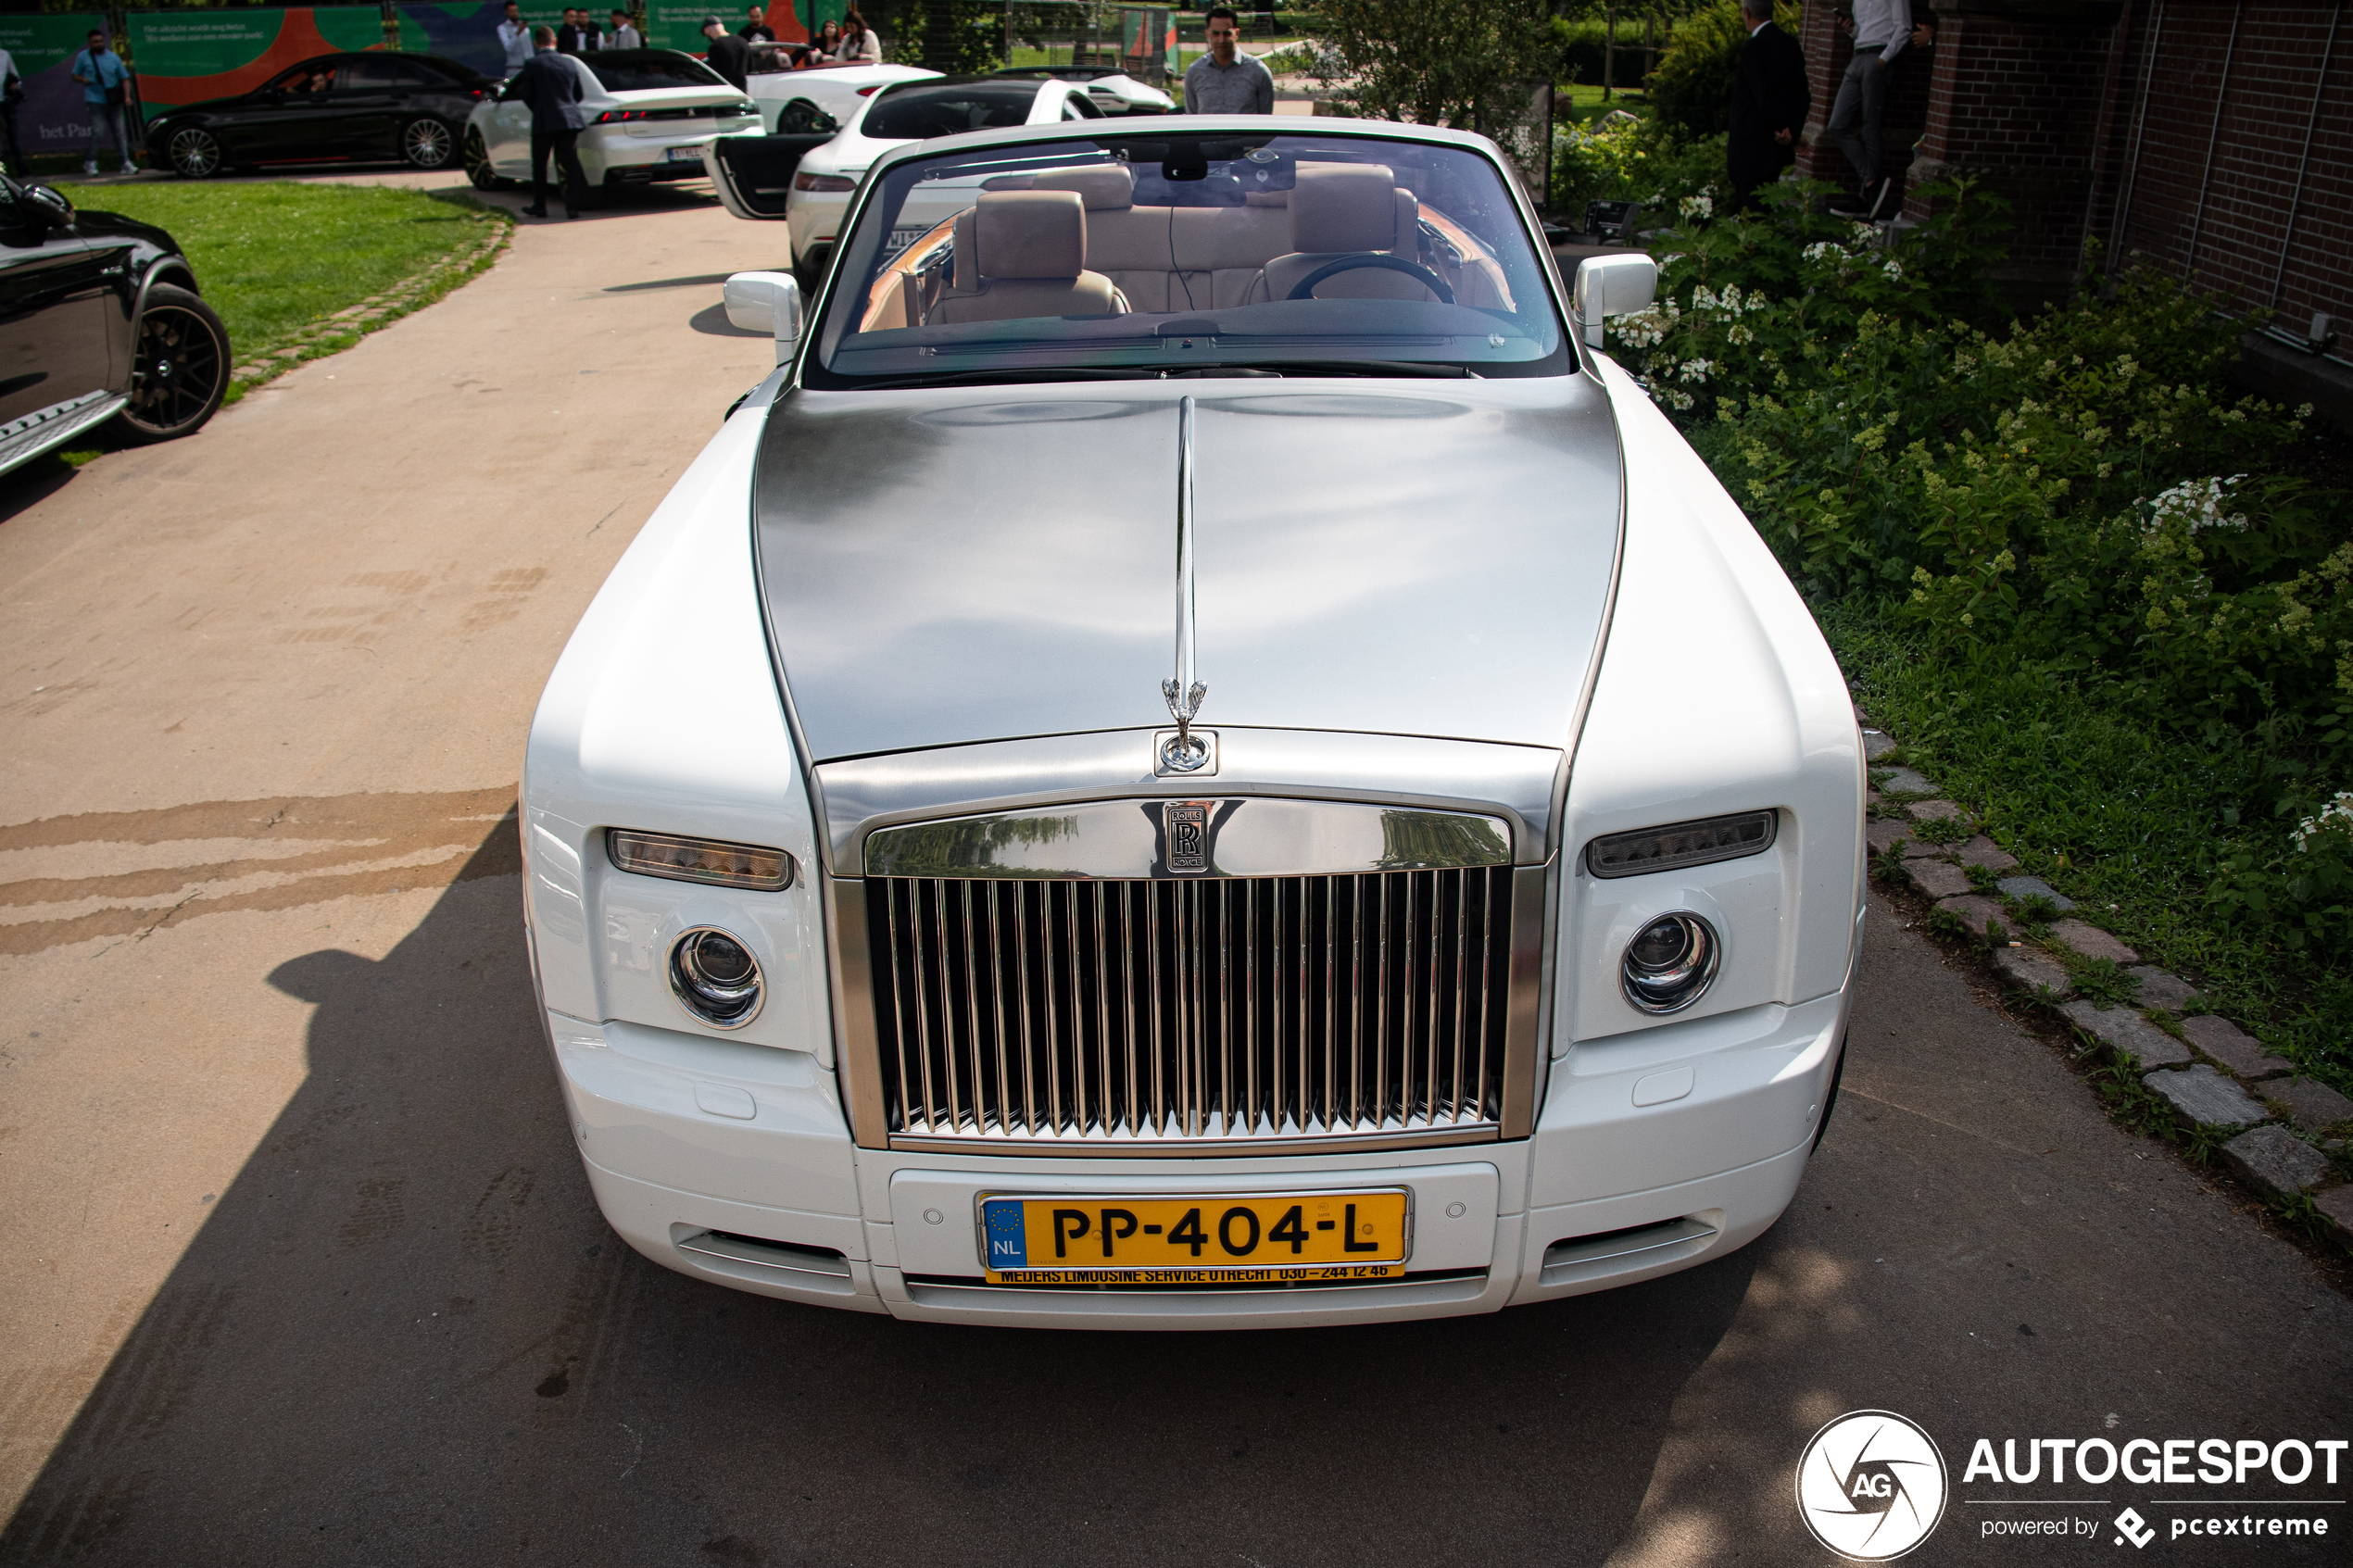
x=2115 y=813
x=1583 y=104
x=274 y=258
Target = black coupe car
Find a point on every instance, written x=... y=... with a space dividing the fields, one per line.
x=99 y=319
x=374 y=106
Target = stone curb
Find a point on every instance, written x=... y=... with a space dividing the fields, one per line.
x=2269 y=1158
x=376 y=310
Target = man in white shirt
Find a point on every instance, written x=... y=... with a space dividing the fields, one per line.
x=1882 y=28
x=514 y=37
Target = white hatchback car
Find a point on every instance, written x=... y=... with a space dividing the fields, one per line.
x=912 y=112
x=652 y=110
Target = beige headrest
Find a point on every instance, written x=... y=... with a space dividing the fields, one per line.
x=1106 y=187
x=1343 y=207
x=1028 y=235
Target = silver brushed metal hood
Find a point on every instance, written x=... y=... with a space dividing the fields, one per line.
x=958 y=565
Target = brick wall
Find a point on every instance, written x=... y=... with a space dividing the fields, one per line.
x=2221 y=218
x=2017 y=104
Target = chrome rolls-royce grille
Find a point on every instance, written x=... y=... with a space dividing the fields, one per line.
x=1116 y=1011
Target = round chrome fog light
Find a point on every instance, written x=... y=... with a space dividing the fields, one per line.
x=1670 y=963
x=715 y=978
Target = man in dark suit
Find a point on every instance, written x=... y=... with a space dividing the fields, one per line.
x=578 y=36
x=1769 y=103
x=552 y=87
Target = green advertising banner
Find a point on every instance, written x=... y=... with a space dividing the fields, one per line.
x=51 y=119
x=468 y=32
x=185 y=57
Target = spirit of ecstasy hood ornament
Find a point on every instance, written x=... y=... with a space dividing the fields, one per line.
x=1184 y=752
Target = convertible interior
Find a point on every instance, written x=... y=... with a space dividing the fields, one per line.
x=1074 y=242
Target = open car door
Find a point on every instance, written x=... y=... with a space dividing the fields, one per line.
x=753 y=174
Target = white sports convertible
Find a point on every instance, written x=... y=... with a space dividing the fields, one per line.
x=896 y=114
x=1194 y=757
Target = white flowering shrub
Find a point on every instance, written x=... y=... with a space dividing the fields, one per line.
x=2336 y=818
x=1750 y=305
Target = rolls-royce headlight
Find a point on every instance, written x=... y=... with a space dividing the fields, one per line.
x=1670 y=963
x=1681 y=844
x=716 y=977
x=700 y=860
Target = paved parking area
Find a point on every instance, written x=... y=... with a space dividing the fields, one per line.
x=303 y=1268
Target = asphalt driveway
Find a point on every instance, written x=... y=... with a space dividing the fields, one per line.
x=303 y=1269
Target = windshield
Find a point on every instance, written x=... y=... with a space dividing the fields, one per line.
x=640 y=70
x=916 y=114
x=1114 y=256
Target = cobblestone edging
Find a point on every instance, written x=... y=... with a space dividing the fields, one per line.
x=2274 y=1130
x=332 y=334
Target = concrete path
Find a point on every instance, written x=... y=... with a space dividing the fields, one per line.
x=303 y=1268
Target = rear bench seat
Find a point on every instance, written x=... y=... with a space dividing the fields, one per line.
x=1167 y=258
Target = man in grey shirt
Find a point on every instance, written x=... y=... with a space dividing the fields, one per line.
x=1225 y=80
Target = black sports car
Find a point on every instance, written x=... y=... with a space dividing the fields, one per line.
x=99 y=319
x=373 y=105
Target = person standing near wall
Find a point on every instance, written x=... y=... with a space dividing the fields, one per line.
x=1770 y=101
x=514 y=38
x=1225 y=80
x=101 y=72
x=1882 y=28
x=553 y=88
x=623 y=35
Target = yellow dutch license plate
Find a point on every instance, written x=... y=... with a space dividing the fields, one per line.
x=1337 y=1238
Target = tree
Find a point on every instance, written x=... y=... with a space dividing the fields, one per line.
x=1693 y=86
x=1435 y=62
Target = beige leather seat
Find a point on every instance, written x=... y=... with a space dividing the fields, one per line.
x=1171 y=258
x=1022 y=253
x=1346 y=209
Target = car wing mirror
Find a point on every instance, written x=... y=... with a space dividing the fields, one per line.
x=49 y=206
x=766 y=302
x=1611 y=285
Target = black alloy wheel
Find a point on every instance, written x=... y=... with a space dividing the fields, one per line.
x=426 y=143
x=194 y=153
x=179 y=369
x=478 y=167
x=809 y=271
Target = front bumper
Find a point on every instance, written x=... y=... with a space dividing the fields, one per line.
x=732 y=1162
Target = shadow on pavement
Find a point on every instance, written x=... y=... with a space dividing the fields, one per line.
x=404 y=1335
x=713 y=319
x=38 y=480
x=702 y=280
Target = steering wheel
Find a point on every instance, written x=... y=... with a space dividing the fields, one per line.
x=1305 y=289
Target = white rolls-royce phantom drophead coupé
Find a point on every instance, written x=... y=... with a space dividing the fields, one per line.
x=1195 y=757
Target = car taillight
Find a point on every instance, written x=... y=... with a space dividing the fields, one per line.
x=613 y=117
x=867 y=91
x=822 y=183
